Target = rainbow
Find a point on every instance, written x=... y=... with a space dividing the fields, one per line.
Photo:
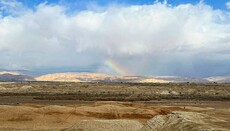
x=117 y=68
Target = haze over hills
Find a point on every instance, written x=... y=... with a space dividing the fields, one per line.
x=219 y=79
x=7 y=76
x=182 y=79
x=14 y=76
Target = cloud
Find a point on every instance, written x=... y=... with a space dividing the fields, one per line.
x=146 y=39
x=228 y=5
x=11 y=7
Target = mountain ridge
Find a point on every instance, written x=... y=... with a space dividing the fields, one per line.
x=15 y=76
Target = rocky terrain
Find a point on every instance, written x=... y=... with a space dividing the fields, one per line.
x=105 y=125
x=186 y=121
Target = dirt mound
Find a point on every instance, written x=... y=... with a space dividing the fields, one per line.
x=106 y=125
x=184 y=121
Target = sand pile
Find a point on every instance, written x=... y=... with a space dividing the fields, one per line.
x=106 y=125
x=184 y=121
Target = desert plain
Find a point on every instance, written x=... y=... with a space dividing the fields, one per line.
x=106 y=106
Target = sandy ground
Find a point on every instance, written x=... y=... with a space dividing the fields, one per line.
x=95 y=106
x=34 y=116
x=63 y=117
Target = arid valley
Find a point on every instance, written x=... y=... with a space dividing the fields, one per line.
x=114 y=65
x=106 y=106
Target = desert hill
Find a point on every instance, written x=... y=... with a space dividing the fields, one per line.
x=15 y=76
x=96 y=77
x=182 y=79
x=99 y=77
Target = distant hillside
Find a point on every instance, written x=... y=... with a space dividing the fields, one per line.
x=182 y=79
x=219 y=79
x=6 y=76
x=8 y=72
x=96 y=77
x=15 y=76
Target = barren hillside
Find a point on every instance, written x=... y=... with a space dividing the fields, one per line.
x=96 y=77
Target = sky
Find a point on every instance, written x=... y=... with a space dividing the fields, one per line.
x=122 y=37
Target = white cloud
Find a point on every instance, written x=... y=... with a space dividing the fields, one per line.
x=10 y=3
x=228 y=5
x=12 y=7
x=157 y=34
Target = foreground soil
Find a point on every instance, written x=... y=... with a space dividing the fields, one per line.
x=114 y=106
x=64 y=117
x=34 y=116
